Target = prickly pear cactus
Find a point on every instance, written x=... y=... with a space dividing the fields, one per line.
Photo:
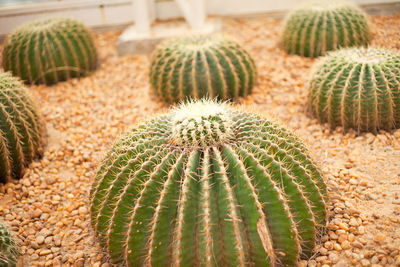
x=9 y=250
x=319 y=26
x=357 y=88
x=21 y=129
x=197 y=66
x=208 y=185
x=50 y=50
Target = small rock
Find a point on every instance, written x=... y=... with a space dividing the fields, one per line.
x=36 y=213
x=365 y=262
x=345 y=245
x=353 y=181
x=361 y=230
x=82 y=210
x=45 y=252
x=40 y=239
x=333 y=257
x=353 y=222
x=380 y=237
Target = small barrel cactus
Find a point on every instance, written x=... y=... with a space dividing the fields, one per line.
x=316 y=27
x=208 y=185
x=50 y=50
x=357 y=88
x=21 y=128
x=9 y=249
x=197 y=66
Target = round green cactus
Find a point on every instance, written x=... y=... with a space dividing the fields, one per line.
x=197 y=66
x=9 y=249
x=319 y=26
x=207 y=184
x=21 y=128
x=357 y=88
x=50 y=50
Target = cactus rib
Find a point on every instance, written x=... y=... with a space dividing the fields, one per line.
x=50 y=50
x=316 y=27
x=211 y=185
x=199 y=66
x=21 y=128
x=357 y=88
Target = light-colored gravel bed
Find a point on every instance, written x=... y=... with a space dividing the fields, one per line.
x=49 y=208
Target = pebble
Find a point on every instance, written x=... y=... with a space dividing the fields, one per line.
x=333 y=257
x=345 y=245
x=40 y=239
x=45 y=252
x=49 y=206
x=365 y=262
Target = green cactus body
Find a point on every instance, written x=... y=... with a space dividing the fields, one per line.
x=197 y=66
x=208 y=185
x=50 y=50
x=316 y=27
x=21 y=128
x=9 y=250
x=357 y=88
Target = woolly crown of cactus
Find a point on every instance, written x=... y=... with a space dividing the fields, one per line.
x=316 y=27
x=21 y=128
x=197 y=66
x=50 y=50
x=357 y=88
x=207 y=184
x=9 y=249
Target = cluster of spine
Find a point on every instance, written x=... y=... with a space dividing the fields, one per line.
x=21 y=128
x=357 y=88
x=9 y=250
x=317 y=27
x=197 y=66
x=50 y=50
x=249 y=196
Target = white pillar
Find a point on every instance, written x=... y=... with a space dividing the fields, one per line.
x=142 y=18
x=193 y=11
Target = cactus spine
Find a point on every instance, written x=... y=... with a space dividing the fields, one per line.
x=209 y=185
x=21 y=129
x=197 y=66
x=9 y=250
x=357 y=88
x=320 y=26
x=50 y=50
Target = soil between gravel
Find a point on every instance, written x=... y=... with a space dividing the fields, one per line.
x=49 y=209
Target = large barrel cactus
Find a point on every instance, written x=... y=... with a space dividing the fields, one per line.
x=21 y=128
x=357 y=88
x=9 y=249
x=50 y=50
x=316 y=27
x=196 y=66
x=208 y=185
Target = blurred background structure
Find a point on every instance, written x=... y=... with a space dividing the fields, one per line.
x=103 y=14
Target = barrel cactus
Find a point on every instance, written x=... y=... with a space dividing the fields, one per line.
x=316 y=27
x=196 y=66
x=9 y=250
x=50 y=50
x=207 y=184
x=357 y=88
x=21 y=128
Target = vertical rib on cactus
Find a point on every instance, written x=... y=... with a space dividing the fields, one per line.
x=50 y=50
x=21 y=129
x=9 y=250
x=207 y=184
x=199 y=66
x=357 y=88
x=316 y=27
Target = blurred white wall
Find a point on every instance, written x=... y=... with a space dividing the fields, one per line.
x=103 y=14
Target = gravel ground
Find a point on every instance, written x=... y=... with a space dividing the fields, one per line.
x=48 y=208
